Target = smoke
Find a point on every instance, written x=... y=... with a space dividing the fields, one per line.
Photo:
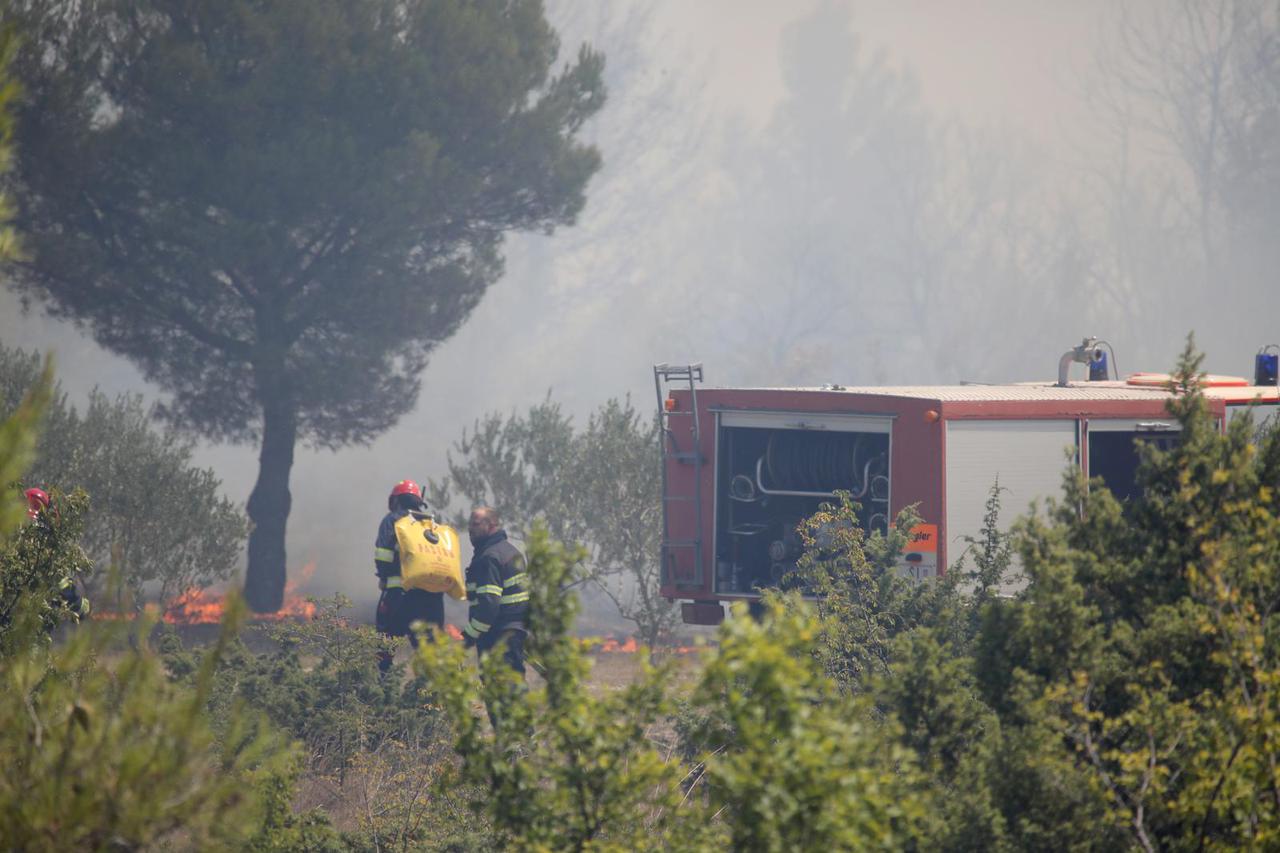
x=858 y=192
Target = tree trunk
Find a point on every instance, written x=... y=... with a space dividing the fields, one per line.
x=270 y=502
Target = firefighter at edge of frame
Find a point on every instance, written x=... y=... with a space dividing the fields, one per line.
x=40 y=511
x=498 y=588
x=400 y=608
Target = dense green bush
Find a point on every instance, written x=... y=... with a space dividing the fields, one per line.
x=1127 y=696
x=373 y=746
x=101 y=751
x=98 y=749
x=784 y=761
x=317 y=680
x=563 y=768
x=1148 y=633
x=800 y=766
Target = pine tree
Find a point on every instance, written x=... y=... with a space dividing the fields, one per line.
x=277 y=210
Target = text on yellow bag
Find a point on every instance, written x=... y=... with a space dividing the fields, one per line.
x=424 y=564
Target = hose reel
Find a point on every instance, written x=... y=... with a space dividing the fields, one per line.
x=803 y=464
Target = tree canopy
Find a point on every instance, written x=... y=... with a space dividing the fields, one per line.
x=276 y=210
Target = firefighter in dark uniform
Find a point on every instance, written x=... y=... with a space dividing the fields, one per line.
x=498 y=589
x=399 y=608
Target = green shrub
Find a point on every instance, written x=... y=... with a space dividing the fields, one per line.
x=790 y=762
x=320 y=683
x=562 y=769
x=99 y=750
x=804 y=766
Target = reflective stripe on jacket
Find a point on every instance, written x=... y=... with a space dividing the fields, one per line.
x=386 y=550
x=71 y=597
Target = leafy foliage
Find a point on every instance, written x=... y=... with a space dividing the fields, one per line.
x=99 y=756
x=805 y=767
x=861 y=597
x=96 y=756
x=319 y=682
x=160 y=521
x=1164 y=650
x=515 y=463
x=561 y=769
x=1127 y=682
x=1123 y=698
x=787 y=761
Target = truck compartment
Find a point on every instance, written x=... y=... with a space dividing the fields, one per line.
x=770 y=478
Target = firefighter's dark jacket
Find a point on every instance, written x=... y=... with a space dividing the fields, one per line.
x=72 y=599
x=498 y=588
x=386 y=550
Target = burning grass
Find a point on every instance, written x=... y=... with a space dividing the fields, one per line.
x=200 y=606
x=206 y=607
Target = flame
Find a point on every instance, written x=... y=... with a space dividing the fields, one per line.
x=295 y=605
x=452 y=631
x=204 y=607
x=612 y=646
x=194 y=607
x=629 y=646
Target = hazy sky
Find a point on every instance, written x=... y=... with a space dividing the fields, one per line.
x=576 y=302
x=1014 y=63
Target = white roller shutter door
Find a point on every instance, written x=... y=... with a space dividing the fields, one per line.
x=1028 y=457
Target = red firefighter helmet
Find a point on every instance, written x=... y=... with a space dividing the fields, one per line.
x=37 y=501
x=406 y=487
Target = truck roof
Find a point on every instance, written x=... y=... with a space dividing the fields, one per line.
x=1080 y=391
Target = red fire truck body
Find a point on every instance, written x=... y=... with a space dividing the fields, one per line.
x=742 y=466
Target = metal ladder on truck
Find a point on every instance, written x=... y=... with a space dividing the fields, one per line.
x=686 y=451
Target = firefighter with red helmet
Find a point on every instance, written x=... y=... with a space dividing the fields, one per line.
x=40 y=512
x=400 y=608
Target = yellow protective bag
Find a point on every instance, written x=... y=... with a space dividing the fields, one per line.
x=424 y=564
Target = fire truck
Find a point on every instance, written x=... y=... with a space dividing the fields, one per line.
x=743 y=466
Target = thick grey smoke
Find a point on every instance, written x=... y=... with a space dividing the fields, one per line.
x=799 y=193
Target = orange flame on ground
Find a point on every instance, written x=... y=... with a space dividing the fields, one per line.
x=629 y=646
x=203 y=607
x=194 y=607
x=612 y=646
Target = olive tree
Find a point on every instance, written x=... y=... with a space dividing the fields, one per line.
x=161 y=521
